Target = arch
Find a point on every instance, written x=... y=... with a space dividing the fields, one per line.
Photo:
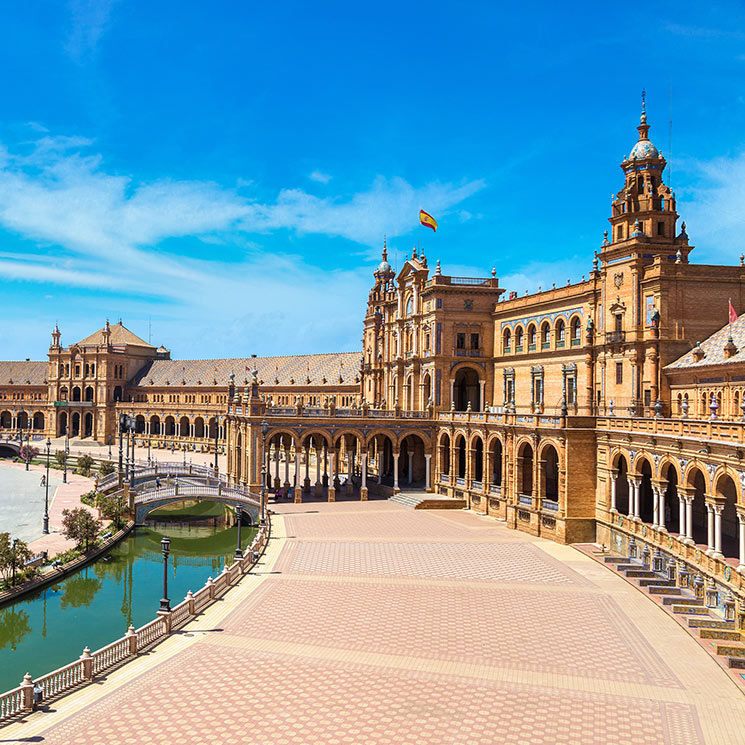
x=696 y=479
x=63 y=393
x=22 y=420
x=444 y=453
x=408 y=394
x=621 y=475
x=6 y=420
x=560 y=332
x=525 y=469
x=38 y=421
x=212 y=427
x=412 y=461
x=427 y=392
x=118 y=393
x=467 y=389
x=477 y=455
x=76 y=393
x=199 y=427
x=507 y=341
x=62 y=424
x=154 y=424
x=671 y=503
x=75 y=425
x=183 y=426
x=140 y=424
x=460 y=456
x=532 y=336
x=319 y=438
x=88 y=393
x=170 y=426
x=88 y=424
x=645 y=469
x=575 y=330
x=726 y=492
x=550 y=468
x=545 y=334
x=496 y=460
x=519 y=338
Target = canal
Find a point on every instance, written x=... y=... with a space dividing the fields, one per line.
x=49 y=628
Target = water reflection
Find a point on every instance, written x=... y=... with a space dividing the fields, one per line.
x=93 y=607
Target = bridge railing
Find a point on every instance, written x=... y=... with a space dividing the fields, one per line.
x=83 y=670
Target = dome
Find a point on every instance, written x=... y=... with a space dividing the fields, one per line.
x=643 y=149
x=383 y=268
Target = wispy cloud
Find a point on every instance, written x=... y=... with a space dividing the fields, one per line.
x=89 y=20
x=703 y=32
x=320 y=177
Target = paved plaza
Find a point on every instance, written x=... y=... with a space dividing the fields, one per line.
x=373 y=623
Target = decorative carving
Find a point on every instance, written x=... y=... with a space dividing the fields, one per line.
x=618 y=279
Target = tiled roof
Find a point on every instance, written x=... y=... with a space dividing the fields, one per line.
x=119 y=335
x=23 y=373
x=284 y=369
x=714 y=348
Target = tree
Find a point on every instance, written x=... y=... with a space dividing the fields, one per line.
x=80 y=526
x=60 y=456
x=29 y=452
x=111 y=509
x=10 y=556
x=85 y=463
x=106 y=467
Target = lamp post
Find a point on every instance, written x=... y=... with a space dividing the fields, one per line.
x=217 y=436
x=45 y=528
x=67 y=450
x=26 y=451
x=132 y=428
x=20 y=427
x=165 y=547
x=148 y=451
x=184 y=449
x=121 y=447
x=109 y=439
x=262 y=492
x=239 y=517
x=13 y=580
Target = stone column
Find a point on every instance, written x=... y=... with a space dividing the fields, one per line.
x=718 y=508
x=306 y=481
x=452 y=392
x=655 y=506
x=709 y=528
x=331 y=489
x=482 y=386
x=319 y=484
x=681 y=514
x=277 y=482
x=410 y=474
x=634 y=483
x=287 y=470
x=741 y=527
x=350 y=472
x=689 y=518
x=395 y=473
x=298 y=488
x=427 y=471
x=363 y=485
x=613 y=475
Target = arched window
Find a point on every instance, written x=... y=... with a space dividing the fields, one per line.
x=576 y=331
x=409 y=305
x=507 y=344
x=519 y=339
x=560 y=333
x=89 y=393
x=532 y=337
x=545 y=335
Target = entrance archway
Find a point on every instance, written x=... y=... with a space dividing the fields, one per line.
x=671 y=501
x=496 y=462
x=698 y=508
x=75 y=425
x=622 y=485
x=551 y=473
x=525 y=470
x=467 y=389
x=88 y=425
x=726 y=491
x=646 y=496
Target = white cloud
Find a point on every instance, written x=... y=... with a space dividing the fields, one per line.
x=90 y=19
x=320 y=177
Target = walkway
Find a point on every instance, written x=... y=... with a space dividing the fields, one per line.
x=371 y=623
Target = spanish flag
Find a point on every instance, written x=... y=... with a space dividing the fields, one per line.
x=428 y=220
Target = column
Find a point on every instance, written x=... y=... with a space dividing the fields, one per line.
x=319 y=484
x=681 y=514
x=741 y=526
x=613 y=476
x=395 y=472
x=718 y=508
x=427 y=466
x=298 y=488
x=452 y=392
x=709 y=528
x=331 y=490
x=689 y=518
x=276 y=466
x=350 y=471
x=634 y=484
x=363 y=485
x=306 y=482
x=482 y=387
x=410 y=474
x=655 y=506
x=286 y=485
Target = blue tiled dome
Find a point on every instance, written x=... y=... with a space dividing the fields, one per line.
x=643 y=149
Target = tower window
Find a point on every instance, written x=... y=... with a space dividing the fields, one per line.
x=460 y=341
x=619 y=373
x=619 y=232
x=474 y=341
x=660 y=228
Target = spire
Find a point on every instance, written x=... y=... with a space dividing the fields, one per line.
x=643 y=126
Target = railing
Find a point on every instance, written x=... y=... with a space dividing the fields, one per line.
x=468 y=281
x=21 y=699
x=695 y=428
x=615 y=337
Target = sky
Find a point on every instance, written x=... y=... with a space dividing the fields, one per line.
x=221 y=175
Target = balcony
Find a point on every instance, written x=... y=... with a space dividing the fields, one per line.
x=65 y=404
x=615 y=337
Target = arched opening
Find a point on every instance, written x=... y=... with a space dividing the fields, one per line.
x=199 y=427
x=496 y=462
x=88 y=424
x=63 y=394
x=671 y=501
x=545 y=335
x=477 y=446
x=466 y=389
x=445 y=455
x=576 y=331
x=726 y=491
x=551 y=473
x=698 y=508
x=532 y=337
x=183 y=426
x=460 y=452
x=22 y=421
x=89 y=393
x=6 y=420
x=38 y=421
x=170 y=426
x=519 y=339
x=76 y=393
x=212 y=428
x=525 y=470
x=118 y=394
x=381 y=449
x=140 y=424
x=507 y=341
x=646 y=496
x=560 y=333
x=427 y=392
x=413 y=467
x=75 y=428
x=622 y=485
x=155 y=425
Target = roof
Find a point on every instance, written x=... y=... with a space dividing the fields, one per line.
x=119 y=335
x=285 y=370
x=23 y=373
x=714 y=349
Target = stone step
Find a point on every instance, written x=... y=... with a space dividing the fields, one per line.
x=629 y=567
x=730 y=636
x=736 y=662
x=615 y=559
x=682 y=601
x=636 y=573
x=659 y=589
x=656 y=582
x=691 y=610
x=711 y=623
x=731 y=650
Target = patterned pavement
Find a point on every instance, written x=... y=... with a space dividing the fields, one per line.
x=372 y=623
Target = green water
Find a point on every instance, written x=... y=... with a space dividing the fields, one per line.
x=93 y=607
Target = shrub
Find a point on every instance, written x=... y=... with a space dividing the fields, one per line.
x=85 y=463
x=105 y=468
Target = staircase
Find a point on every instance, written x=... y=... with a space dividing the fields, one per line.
x=728 y=642
x=421 y=500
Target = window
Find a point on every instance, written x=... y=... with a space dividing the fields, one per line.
x=545 y=336
x=507 y=340
x=77 y=371
x=647 y=397
x=519 y=340
x=531 y=337
x=438 y=302
x=560 y=333
x=576 y=331
x=619 y=232
x=660 y=228
x=474 y=341
x=619 y=373
x=619 y=322
x=572 y=391
x=460 y=341
x=539 y=391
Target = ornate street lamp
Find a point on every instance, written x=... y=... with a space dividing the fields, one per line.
x=67 y=450
x=217 y=436
x=45 y=528
x=20 y=428
x=262 y=492
x=121 y=447
x=132 y=428
x=165 y=547
x=26 y=451
x=239 y=517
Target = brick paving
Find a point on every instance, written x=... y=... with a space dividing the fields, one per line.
x=371 y=623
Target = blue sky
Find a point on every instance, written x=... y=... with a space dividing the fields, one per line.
x=224 y=172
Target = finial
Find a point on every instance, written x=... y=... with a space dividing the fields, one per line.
x=683 y=233
x=742 y=259
x=606 y=242
x=438 y=270
x=644 y=106
x=678 y=257
x=494 y=272
x=595 y=258
x=385 y=248
x=413 y=253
